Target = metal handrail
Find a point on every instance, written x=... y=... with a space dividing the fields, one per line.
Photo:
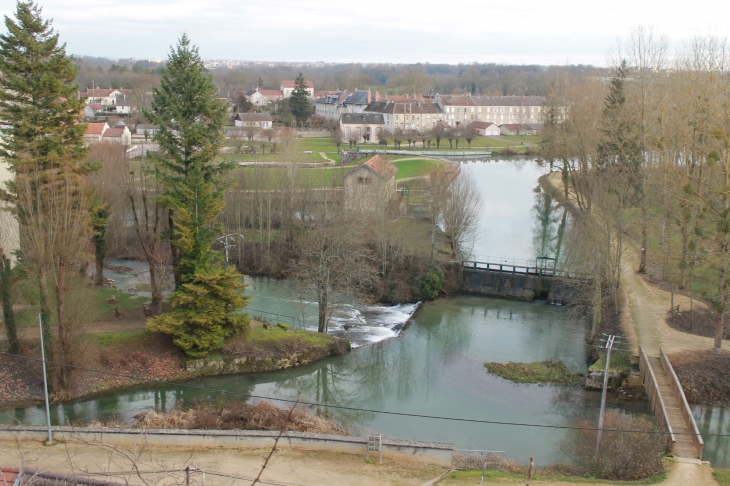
x=249 y=310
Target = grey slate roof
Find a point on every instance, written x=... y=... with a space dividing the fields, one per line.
x=363 y=119
x=359 y=97
x=256 y=117
x=390 y=107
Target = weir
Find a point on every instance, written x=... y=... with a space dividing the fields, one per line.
x=508 y=279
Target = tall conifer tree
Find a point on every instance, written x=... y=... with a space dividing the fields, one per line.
x=43 y=143
x=208 y=297
x=299 y=103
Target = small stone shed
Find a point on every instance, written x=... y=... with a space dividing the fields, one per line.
x=370 y=184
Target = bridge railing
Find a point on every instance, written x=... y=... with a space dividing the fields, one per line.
x=519 y=269
x=689 y=419
x=655 y=399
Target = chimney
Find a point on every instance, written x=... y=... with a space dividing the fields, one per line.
x=369 y=97
x=377 y=96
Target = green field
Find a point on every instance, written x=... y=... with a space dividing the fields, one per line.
x=415 y=167
x=325 y=145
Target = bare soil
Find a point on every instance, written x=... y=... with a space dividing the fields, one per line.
x=698 y=322
x=705 y=376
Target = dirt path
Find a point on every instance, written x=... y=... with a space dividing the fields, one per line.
x=648 y=307
x=286 y=467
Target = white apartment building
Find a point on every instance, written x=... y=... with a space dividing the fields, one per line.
x=414 y=115
x=460 y=109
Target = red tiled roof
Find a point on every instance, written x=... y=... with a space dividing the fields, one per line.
x=114 y=133
x=482 y=125
x=382 y=166
x=95 y=128
x=289 y=83
x=96 y=106
x=8 y=475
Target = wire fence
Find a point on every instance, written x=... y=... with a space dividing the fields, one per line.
x=476 y=459
x=271 y=317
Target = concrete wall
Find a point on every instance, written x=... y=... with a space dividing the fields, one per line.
x=427 y=452
x=515 y=285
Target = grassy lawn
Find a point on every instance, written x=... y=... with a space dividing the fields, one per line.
x=415 y=167
x=259 y=335
x=722 y=476
x=552 y=371
x=248 y=178
x=127 y=338
x=494 y=476
x=619 y=362
x=96 y=295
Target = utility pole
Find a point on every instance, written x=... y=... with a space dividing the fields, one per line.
x=609 y=347
x=45 y=382
x=228 y=242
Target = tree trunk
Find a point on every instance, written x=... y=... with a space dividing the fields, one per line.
x=5 y=295
x=45 y=312
x=323 y=305
x=174 y=251
x=719 y=329
x=99 y=264
x=64 y=338
x=642 y=260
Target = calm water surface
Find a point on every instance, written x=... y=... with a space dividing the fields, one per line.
x=435 y=365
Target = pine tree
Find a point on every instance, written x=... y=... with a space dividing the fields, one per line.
x=299 y=103
x=191 y=118
x=619 y=142
x=208 y=298
x=43 y=144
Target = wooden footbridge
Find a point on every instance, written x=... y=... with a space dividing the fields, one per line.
x=673 y=415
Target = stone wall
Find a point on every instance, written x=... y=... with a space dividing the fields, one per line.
x=517 y=286
x=427 y=452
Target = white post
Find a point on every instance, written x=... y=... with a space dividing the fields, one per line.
x=609 y=345
x=45 y=382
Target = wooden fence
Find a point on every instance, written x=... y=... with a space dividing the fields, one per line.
x=689 y=419
x=655 y=399
x=523 y=269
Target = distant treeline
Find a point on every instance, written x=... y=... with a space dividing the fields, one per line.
x=489 y=79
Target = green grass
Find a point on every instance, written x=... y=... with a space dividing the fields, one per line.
x=722 y=476
x=545 y=372
x=122 y=337
x=415 y=167
x=493 y=474
x=260 y=335
x=98 y=295
x=619 y=362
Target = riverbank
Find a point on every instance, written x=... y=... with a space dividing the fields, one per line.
x=118 y=360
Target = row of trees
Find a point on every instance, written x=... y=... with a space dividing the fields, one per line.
x=63 y=221
x=650 y=152
x=434 y=136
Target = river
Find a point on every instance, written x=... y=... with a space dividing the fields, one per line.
x=433 y=366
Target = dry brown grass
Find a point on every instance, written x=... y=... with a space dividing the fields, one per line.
x=238 y=416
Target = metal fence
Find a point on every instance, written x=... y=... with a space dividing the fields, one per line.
x=472 y=459
x=272 y=317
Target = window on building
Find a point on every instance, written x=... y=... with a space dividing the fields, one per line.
x=363 y=180
x=347 y=132
x=358 y=132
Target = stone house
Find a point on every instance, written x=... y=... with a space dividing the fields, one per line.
x=287 y=86
x=366 y=127
x=485 y=129
x=257 y=120
x=370 y=184
x=262 y=97
x=418 y=115
x=120 y=135
x=95 y=132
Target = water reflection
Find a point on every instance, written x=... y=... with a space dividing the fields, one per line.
x=435 y=367
x=716 y=421
x=549 y=227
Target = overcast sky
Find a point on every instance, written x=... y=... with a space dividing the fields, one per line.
x=525 y=31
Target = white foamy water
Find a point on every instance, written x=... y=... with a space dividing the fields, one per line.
x=368 y=324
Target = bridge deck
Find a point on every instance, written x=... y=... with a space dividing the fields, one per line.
x=683 y=446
